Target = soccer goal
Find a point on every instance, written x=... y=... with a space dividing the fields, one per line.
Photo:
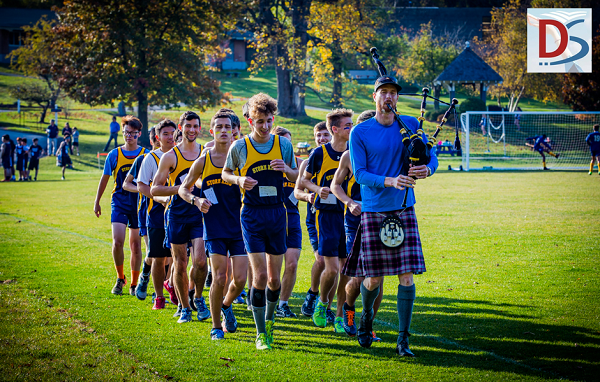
x=498 y=140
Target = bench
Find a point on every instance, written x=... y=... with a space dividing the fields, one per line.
x=446 y=149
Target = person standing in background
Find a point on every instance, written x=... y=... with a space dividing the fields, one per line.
x=114 y=133
x=52 y=133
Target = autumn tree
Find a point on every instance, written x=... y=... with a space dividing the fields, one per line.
x=582 y=90
x=280 y=31
x=148 y=52
x=339 y=31
x=35 y=58
x=506 y=52
x=423 y=57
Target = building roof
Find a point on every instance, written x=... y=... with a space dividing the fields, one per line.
x=468 y=67
x=462 y=23
x=16 y=18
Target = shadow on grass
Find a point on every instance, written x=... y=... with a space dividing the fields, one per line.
x=502 y=330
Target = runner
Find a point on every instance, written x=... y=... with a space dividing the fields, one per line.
x=262 y=159
x=65 y=158
x=184 y=221
x=7 y=158
x=322 y=137
x=142 y=210
x=322 y=163
x=351 y=198
x=220 y=204
x=34 y=162
x=159 y=255
x=123 y=203
x=22 y=158
x=293 y=240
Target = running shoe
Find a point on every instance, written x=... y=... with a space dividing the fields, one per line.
x=208 y=281
x=349 y=324
x=159 y=303
x=284 y=311
x=590 y=173
x=338 y=325
x=172 y=294
x=186 y=316
x=142 y=288
x=270 y=325
x=308 y=307
x=365 y=337
x=217 y=334
x=261 y=342
x=375 y=338
x=203 y=312
x=319 y=317
x=132 y=290
x=230 y=321
x=191 y=300
x=118 y=288
x=238 y=300
x=178 y=311
x=402 y=348
x=248 y=303
x=330 y=316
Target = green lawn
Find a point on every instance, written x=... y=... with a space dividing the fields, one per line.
x=510 y=293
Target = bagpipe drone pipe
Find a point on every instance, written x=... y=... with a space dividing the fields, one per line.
x=419 y=152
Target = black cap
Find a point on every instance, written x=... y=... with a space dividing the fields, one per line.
x=385 y=80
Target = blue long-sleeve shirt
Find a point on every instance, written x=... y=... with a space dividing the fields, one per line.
x=376 y=152
x=593 y=140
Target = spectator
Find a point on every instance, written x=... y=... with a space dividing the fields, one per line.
x=13 y=148
x=114 y=133
x=68 y=131
x=7 y=160
x=75 y=140
x=52 y=132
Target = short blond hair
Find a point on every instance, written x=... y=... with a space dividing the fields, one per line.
x=262 y=103
x=333 y=118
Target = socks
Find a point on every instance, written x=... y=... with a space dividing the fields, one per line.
x=120 y=273
x=272 y=297
x=348 y=307
x=146 y=269
x=313 y=293
x=191 y=293
x=282 y=303
x=368 y=297
x=592 y=167
x=134 y=277
x=224 y=307
x=551 y=153
x=405 y=301
x=544 y=163
x=258 y=309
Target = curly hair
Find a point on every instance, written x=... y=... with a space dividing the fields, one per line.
x=189 y=116
x=365 y=115
x=262 y=103
x=131 y=121
x=333 y=118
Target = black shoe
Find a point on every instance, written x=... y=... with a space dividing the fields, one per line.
x=402 y=347
x=310 y=302
x=364 y=335
x=285 y=312
x=208 y=280
x=191 y=300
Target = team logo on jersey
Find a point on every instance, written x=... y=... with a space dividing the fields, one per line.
x=559 y=40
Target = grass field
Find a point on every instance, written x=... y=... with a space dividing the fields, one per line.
x=511 y=293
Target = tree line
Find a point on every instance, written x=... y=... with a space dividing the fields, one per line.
x=154 y=52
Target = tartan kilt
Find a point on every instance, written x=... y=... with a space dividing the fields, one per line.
x=371 y=258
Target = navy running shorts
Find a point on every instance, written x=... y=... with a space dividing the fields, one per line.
x=313 y=236
x=351 y=224
x=595 y=153
x=231 y=247
x=332 y=238
x=182 y=233
x=156 y=245
x=119 y=215
x=34 y=164
x=7 y=162
x=264 y=229
x=294 y=231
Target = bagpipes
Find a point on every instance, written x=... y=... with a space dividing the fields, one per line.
x=419 y=152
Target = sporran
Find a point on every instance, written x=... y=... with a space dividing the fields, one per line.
x=391 y=232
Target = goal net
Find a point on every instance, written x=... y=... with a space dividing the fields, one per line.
x=498 y=140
